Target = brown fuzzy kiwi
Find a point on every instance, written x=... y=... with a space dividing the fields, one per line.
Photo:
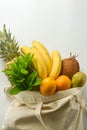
x=70 y=66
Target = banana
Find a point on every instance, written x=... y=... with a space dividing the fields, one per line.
x=25 y=49
x=57 y=62
x=45 y=54
x=38 y=60
x=39 y=63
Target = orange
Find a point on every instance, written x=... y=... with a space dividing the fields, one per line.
x=48 y=86
x=63 y=82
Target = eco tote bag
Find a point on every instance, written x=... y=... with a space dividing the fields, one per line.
x=30 y=110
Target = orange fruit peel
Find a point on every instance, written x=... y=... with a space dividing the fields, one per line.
x=48 y=86
x=63 y=82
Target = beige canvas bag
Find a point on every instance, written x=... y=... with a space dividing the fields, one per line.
x=30 y=110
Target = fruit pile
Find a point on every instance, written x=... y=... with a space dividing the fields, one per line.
x=59 y=74
x=33 y=68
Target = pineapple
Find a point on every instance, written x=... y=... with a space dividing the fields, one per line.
x=9 y=48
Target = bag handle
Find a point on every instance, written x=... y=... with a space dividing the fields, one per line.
x=51 y=106
x=38 y=114
x=39 y=106
x=81 y=101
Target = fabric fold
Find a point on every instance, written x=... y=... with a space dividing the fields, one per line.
x=30 y=110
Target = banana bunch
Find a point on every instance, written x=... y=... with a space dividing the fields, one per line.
x=43 y=62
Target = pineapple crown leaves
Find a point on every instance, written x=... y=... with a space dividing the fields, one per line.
x=9 y=48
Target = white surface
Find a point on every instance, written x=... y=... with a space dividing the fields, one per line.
x=59 y=24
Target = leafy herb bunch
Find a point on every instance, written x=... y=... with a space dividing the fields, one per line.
x=22 y=74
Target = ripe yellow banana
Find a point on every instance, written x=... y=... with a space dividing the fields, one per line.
x=45 y=54
x=38 y=61
x=25 y=49
x=56 y=67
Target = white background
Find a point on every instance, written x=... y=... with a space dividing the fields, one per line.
x=59 y=24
